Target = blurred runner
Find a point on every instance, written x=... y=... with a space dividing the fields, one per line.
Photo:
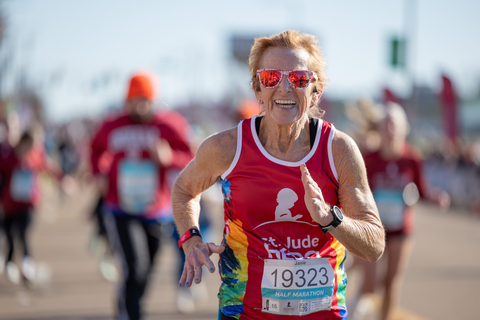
x=396 y=177
x=4 y=150
x=186 y=297
x=137 y=201
x=18 y=196
x=100 y=245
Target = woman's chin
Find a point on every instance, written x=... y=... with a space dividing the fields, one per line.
x=285 y=116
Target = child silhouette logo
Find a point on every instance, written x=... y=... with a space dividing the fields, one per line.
x=286 y=198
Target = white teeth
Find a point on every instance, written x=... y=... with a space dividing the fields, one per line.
x=286 y=104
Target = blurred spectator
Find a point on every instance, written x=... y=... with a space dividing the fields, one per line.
x=137 y=197
x=69 y=157
x=18 y=196
x=455 y=167
x=395 y=174
x=366 y=116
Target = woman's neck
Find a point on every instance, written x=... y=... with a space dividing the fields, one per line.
x=287 y=142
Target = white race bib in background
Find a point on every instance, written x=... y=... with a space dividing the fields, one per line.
x=22 y=184
x=391 y=207
x=137 y=185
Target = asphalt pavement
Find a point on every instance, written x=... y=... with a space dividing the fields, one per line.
x=442 y=281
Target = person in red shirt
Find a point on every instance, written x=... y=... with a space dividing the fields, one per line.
x=144 y=147
x=18 y=196
x=395 y=174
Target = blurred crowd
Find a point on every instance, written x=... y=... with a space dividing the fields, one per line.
x=455 y=168
x=64 y=153
x=449 y=165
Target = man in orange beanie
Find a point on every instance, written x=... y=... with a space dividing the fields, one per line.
x=137 y=197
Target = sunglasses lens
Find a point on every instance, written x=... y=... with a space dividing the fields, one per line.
x=270 y=78
x=299 y=79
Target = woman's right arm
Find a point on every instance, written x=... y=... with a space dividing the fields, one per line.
x=213 y=158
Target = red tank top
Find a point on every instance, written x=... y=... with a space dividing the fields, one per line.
x=389 y=181
x=271 y=266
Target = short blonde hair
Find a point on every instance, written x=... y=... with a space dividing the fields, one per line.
x=294 y=40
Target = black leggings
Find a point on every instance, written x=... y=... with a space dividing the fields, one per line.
x=17 y=225
x=136 y=243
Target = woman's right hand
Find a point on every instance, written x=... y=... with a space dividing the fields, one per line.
x=197 y=254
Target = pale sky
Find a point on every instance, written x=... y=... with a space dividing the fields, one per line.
x=68 y=46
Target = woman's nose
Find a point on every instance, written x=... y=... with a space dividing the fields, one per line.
x=284 y=84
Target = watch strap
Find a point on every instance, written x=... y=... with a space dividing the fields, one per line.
x=332 y=225
x=327 y=229
x=187 y=235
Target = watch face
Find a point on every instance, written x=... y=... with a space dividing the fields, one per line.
x=338 y=212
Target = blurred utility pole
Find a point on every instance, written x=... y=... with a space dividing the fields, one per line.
x=410 y=29
x=2 y=35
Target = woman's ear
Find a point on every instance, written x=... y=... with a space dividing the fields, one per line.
x=316 y=94
x=258 y=93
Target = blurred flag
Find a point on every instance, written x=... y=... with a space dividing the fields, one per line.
x=449 y=109
x=389 y=96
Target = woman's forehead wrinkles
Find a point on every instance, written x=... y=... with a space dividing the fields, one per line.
x=285 y=58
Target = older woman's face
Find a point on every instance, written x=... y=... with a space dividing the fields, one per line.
x=285 y=104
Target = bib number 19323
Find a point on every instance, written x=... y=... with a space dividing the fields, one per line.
x=297 y=287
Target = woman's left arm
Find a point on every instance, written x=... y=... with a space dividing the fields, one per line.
x=361 y=231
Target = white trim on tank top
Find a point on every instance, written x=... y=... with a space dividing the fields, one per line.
x=283 y=162
x=330 y=153
x=237 y=151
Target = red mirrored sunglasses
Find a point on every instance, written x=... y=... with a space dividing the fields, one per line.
x=298 y=79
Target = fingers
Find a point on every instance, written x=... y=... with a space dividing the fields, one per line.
x=192 y=270
x=313 y=196
x=183 y=277
x=213 y=248
x=190 y=274
x=311 y=187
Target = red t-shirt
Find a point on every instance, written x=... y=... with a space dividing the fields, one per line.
x=137 y=184
x=278 y=264
x=391 y=182
x=20 y=192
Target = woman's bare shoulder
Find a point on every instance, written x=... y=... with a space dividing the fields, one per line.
x=342 y=143
x=347 y=157
x=218 y=149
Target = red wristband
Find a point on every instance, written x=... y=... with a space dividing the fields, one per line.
x=187 y=235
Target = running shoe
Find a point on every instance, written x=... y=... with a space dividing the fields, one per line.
x=29 y=268
x=12 y=272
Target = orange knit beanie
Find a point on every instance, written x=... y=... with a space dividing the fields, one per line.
x=141 y=85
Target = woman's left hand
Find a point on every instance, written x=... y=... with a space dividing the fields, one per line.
x=316 y=205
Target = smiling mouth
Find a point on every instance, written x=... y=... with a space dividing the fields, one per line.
x=285 y=104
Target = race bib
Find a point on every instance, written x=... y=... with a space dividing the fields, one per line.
x=391 y=207
x=297 y=287
x=21 y=185
x=137 y=184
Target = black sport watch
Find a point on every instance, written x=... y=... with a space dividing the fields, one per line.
x=337 y=219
